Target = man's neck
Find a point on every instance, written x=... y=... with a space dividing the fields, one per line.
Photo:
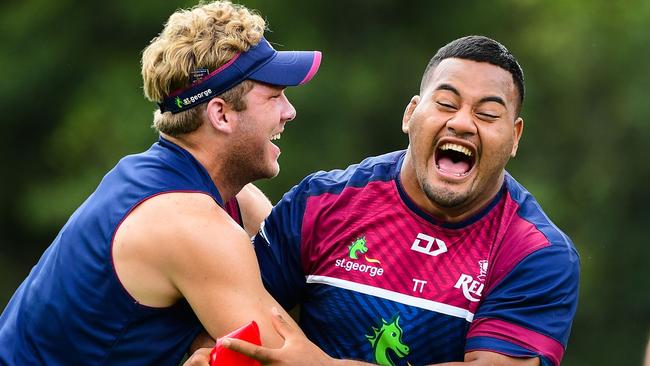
x=210 y=155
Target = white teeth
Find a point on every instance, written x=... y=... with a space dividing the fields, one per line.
x=275 y=137
x=460 y=149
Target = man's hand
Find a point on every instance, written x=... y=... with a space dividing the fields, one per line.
x=296 y=350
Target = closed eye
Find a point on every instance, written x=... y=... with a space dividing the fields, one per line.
x=487 y=115
x=446 y=105
x=277 y=92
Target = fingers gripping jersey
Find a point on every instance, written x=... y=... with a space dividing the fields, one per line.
x=381 y=281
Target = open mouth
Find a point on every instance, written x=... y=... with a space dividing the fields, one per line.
x=276 y=137
x=454 y=159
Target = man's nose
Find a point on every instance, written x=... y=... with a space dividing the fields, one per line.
x=288 y=112
x=462 y=123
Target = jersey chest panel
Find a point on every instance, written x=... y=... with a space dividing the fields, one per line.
x=373 y=265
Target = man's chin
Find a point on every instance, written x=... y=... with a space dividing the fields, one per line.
x=445 y=197
x=274 y=170
x=271 y=171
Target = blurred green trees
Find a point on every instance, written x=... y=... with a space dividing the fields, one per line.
x=72 y=105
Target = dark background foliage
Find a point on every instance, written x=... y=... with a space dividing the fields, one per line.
x=72 y=105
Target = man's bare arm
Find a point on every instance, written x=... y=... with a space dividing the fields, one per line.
x=254 y=207
x=183 y=245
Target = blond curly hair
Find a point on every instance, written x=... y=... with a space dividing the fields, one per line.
x=205 y=36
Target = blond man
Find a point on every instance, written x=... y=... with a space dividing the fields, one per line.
x=161 y=249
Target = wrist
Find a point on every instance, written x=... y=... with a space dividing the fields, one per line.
x=325 y=360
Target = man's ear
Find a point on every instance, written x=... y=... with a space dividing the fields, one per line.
x=517 y=132
x=408 y=112
x=220 y=115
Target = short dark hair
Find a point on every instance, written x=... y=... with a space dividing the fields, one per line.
x=480 y=49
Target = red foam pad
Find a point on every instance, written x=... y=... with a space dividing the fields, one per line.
x=221 y=356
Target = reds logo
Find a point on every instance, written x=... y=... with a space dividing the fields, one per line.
x=473 y=289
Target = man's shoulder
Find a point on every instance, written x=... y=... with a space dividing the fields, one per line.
x=171 y=216
x=169 y=225
x=171 y=236
x=530 y=218
x=376 y=168
x=531 y=235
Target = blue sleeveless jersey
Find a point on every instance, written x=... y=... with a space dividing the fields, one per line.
x=72 y=308
x=380 y=280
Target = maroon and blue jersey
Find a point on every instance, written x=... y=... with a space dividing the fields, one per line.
x=382 y=281
x=72 y=308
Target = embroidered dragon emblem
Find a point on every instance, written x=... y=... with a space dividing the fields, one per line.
x=359 y=246
x=388 y=337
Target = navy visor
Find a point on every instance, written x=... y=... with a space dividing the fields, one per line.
x=260 y=63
